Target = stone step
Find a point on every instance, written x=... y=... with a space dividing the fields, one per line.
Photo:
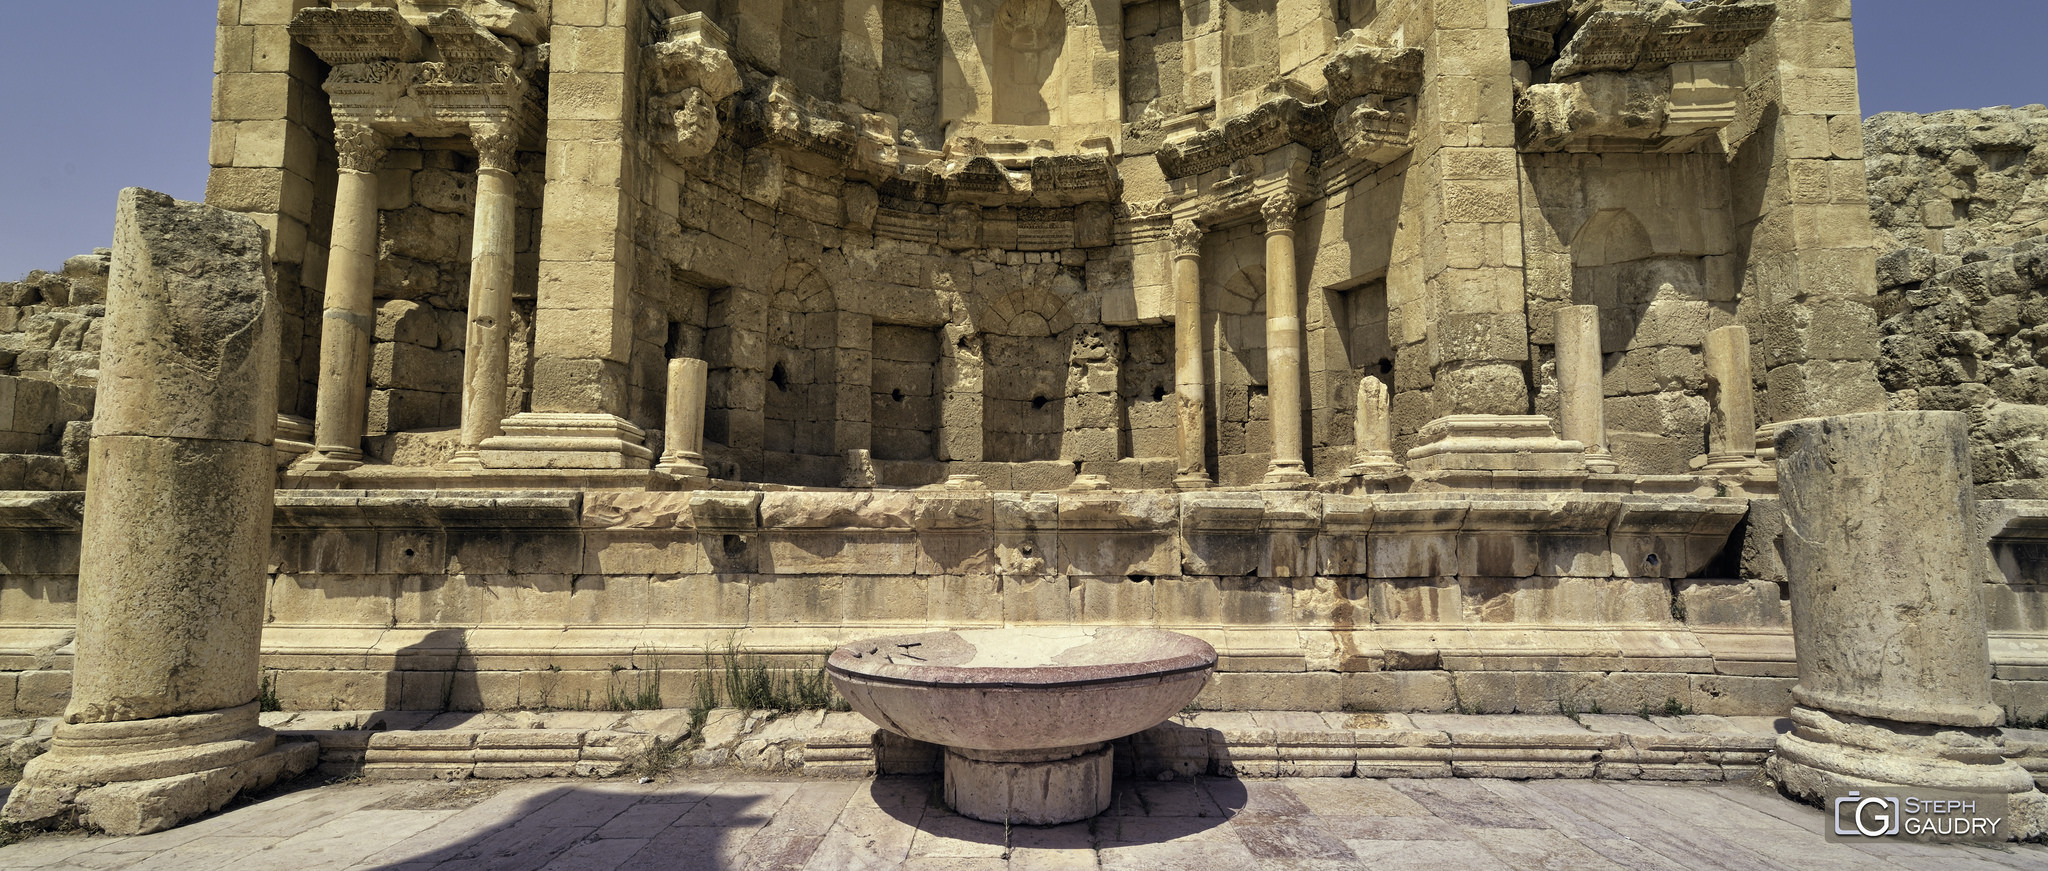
x=399 y=744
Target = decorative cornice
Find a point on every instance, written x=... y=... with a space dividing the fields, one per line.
x=1274 y=123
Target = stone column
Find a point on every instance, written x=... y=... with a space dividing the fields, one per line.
x=1731 y=431
x=686 y=391
x=1190 y=384
x=1375 y=432
x=1887 y=616
x=1283 y=343
x=1581 y=402
x=486 y=349
x=347 y=322
x=162 y=723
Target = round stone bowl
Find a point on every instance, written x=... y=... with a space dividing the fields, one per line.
x=1024 y=712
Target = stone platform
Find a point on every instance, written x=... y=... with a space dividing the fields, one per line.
x=694 y=821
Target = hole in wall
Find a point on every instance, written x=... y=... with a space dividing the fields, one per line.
x=1039 y=402
x=1158 y=393
x=896 y=394
x=1386 y=366
x=779 y=377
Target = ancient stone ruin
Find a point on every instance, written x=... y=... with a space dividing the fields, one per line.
x=1420 y=356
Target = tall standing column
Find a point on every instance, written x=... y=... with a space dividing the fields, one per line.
x=1581 y=401
x=1731 y=431
x=162 y=723
x=1283 y=343
x=1190 y=385
x=687 y=381
x=1888 y=614
x=485 y=350
x=346 y=322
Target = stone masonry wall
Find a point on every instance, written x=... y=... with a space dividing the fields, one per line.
x=1963 y=197
x=1953 y=181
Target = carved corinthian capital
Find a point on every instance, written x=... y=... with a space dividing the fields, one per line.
x=1187 y=239
x=494 y=145
x=1279 y=212
x=359 y=148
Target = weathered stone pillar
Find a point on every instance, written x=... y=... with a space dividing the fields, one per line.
x=687 y=382
x=1283 y=343
x=1581 y=402
x=161 y=726
x=1731 y=430
x=1375 y=432
x=347 y=321
x=1190 y=385
x=486 y=348
x=1887 y=618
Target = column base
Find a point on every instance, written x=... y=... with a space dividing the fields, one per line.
x=1826 y=755
x=1495 y=443
x=1192 y=482
x=1375 y=464
x=466 y=459
x=328 y=459
x=1286 y=473
x=142 y=776
x=1029 y=787
x=545 y=440
x=292 y=437
x=683 y=465
x=1601 y=463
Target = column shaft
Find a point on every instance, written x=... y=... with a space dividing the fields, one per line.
x=346 y=322
x=1190 y=385
x=1283 y=342
x=1733 y=430
x=1581 y=401
x=687 y=383
x=485 y=354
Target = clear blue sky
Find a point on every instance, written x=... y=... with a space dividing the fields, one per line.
x=97 y=95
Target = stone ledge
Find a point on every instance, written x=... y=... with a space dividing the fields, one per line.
x=411 y=744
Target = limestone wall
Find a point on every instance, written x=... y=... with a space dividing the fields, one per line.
x=1953 y=181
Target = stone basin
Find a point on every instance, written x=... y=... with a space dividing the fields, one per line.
x=1025 y=713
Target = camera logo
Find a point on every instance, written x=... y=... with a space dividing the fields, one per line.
x=1916 y=814
x=1873 y=816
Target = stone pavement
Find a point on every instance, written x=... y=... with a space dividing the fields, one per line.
x=704 y=821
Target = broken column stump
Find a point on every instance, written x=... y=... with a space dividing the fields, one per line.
x=162 y=723
x=1888 y=621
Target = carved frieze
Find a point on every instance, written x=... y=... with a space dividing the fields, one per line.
x=1650 y=77
x=1274 y=123
x=354 y=36
x=377 y=75
x=1636 y=39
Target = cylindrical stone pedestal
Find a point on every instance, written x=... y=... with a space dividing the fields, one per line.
x=1030 y=787
x=1887 y=616
x=161 y=726
x=1581 y=401
x=687 y=383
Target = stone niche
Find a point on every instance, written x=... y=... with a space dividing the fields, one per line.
x=1031 y=76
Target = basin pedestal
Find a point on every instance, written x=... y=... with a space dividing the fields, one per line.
x=1029 y=787
x=1025 y=713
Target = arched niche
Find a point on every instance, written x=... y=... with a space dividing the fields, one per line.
x=1025 y=70
x=1025 y=346
x=800 y=401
